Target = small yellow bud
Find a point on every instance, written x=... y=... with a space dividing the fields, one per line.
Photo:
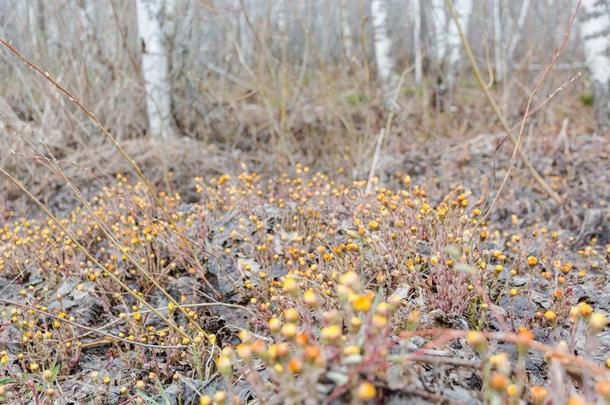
x=532 y=260
x=538 y=394
x=366 y=391
x=223 y=363
x=512 y=390
x=597 y=322
x=274 y=325
x=330 y=333
x=362 y=303
x=289 y=330
x=550 y=316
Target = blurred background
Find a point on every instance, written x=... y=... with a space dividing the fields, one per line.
x=263 y=84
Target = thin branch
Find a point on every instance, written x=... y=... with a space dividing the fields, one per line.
x=471 y=59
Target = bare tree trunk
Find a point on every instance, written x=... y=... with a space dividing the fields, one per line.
x=448 y=45
x=243 y=36
x=447 y=37
x=595 y=32
x=439 y=22
x=282 y=26
x=155 y=66
x=498 y=40
x=417 y=40
x=382 y=45
x=454 y=44
x=517 y=34
x=346 y=32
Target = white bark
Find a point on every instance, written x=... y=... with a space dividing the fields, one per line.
x=33 y=23
x=86 y=12
x=498 y=40
x=517 y=34
x=439 y=22
x=454 y=43
x=382 y=45
x=155 y=67
x=595 y=32
x=447 y=38
x=346 y=32
x=243 y=37
x=282 y=26
x=417 y=40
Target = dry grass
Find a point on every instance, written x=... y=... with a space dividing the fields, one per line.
x=331 y=292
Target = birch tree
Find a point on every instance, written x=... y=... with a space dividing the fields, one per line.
x=382 y=46
x=155 y=66
x=446 y=35
x=439 y=23
x=454 y=43
x=448 y=45
x=595 y=32
x=498 y=40
x=417 y=48
x=346 y=32
x=514 y=41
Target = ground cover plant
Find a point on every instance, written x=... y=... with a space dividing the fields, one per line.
x=301 y=289
x=263 y=202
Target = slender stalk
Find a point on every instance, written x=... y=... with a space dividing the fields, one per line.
x=89 y=256
x=479 y=78
x=47 y=76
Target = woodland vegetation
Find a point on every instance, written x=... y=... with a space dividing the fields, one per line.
x=312 y=201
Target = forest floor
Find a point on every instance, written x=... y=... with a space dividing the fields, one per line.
x=312 y=287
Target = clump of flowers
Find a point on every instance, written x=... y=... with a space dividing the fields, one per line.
x=300 y=288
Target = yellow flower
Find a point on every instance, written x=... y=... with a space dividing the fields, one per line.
x=330 y=333
x=244 y=351
x=365 y=391
x=362 y=303
x=295 y=365
x=597 y=322
x=498 y=382
x=47 y=375
x=532 y=260
x=476 y=339
x=355 y=323
x=379 y=321
x=512 y=390
x=289 y=330
x=291 y=315
x=584 y=309
x=274 y=324
x=223 y=363
x=550 y=316
x=220 y=397
x=351 y=350
x=538 y=394
x=290 y=285
x=350 y=279
x=311 y=299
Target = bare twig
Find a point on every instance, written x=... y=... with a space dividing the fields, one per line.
x=545 y=186
x=88 y=328
x=541 y=80
x=89 y=255
x=47 y=76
